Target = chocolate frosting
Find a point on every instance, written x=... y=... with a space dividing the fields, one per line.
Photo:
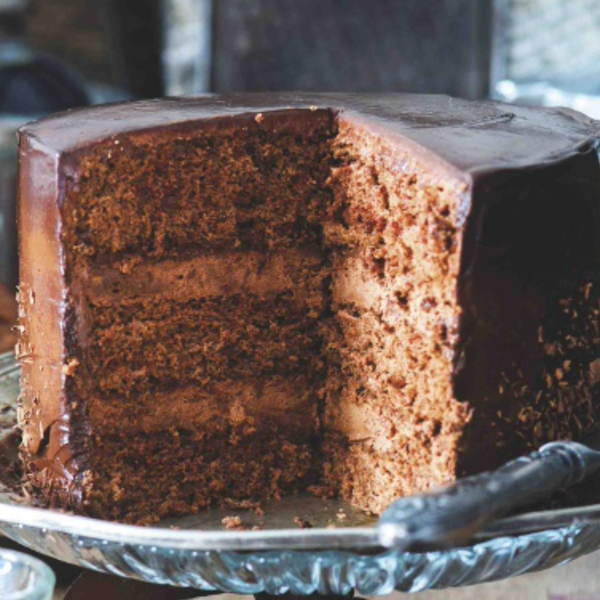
x=472 y=141
x=471 y=136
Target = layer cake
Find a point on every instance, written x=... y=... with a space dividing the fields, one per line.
x=240 y=297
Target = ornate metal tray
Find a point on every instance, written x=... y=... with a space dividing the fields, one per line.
x=304 y=544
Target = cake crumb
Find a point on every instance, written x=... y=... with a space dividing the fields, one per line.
x=259 y=511
x=70 y=367
x=595 y=371
x=341 y=515
x=259 y=118
x=232 y=503
x=237 y=414
x=232 y=522
x=127 y=266
x=302 y=523
x=321 y=491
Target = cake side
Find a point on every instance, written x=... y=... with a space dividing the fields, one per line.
x=42 y=353
x=529 y=287
x=392 y=423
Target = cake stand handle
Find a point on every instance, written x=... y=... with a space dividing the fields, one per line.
x=451 y=515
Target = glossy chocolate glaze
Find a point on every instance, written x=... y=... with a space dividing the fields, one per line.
x=480 y=143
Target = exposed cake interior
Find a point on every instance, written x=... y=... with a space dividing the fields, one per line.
x=262 y=304
x=391 y=421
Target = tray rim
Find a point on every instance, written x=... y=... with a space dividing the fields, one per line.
x=13 y=512
x=191 y=539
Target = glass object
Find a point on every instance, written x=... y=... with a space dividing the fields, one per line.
x=547 y=52
x=23 y=577
x=198 y=552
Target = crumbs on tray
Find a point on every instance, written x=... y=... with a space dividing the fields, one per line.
x=232 y=522
x=302 y=523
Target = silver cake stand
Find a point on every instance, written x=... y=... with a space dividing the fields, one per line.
x=300 y=545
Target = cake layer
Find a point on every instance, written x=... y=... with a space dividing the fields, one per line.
x=238 y=336
x=276 y=171
x=371 y=480
x=191 y=470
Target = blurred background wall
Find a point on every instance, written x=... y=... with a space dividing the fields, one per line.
x=59 y=54
x=537 y=51
x=74 y=30
x=149 y=47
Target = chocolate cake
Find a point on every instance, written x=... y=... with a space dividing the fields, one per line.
x=240 y=297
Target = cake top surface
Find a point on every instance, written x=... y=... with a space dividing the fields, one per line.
x=468 y=136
